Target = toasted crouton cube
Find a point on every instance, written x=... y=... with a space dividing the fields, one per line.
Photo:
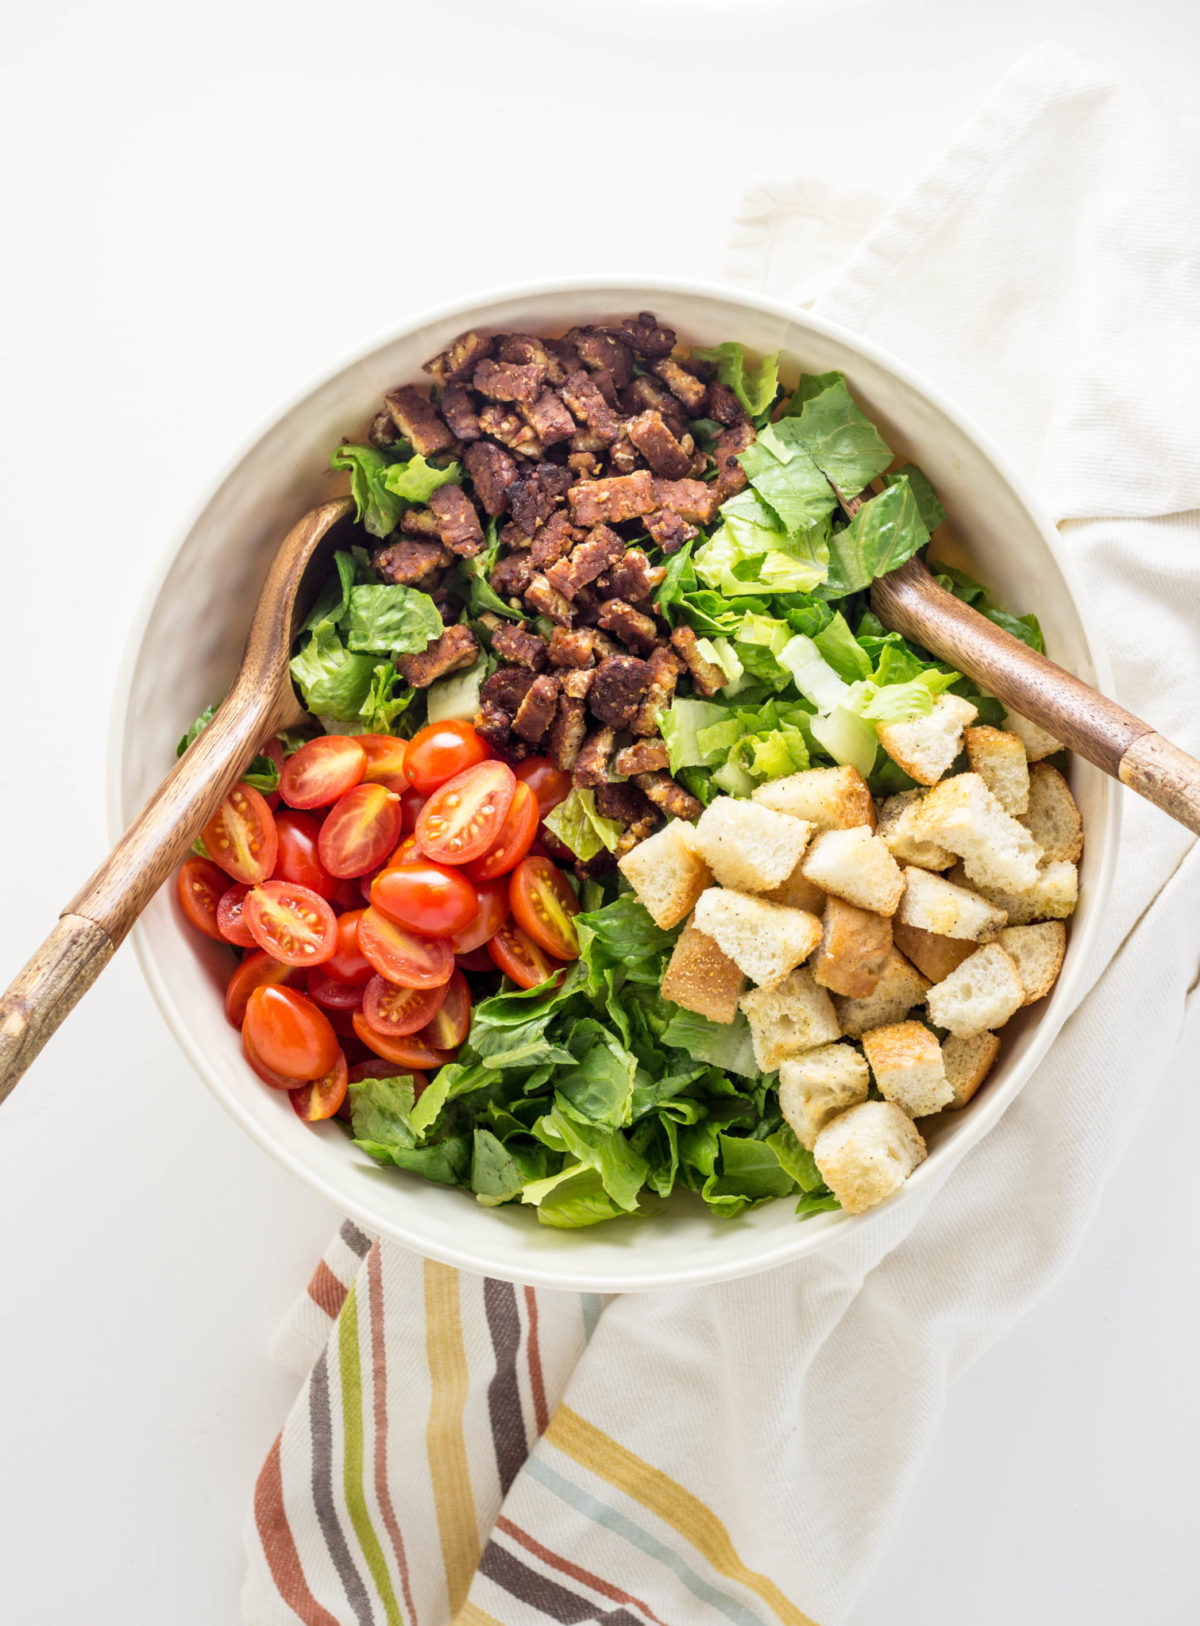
x=667 y=873
x=983 y=993
x=906 y=1061
x=815 y=1087
x=829 y=798
x=1037 y=742
x=938 y=905
x=1052 y=896
x=1000 y=761
x=934 y=957
x=968 y=1062
x=701 y=978
x=927 y=746
x=899 y=988
x=748 y=847
x=962 y=814
x=794 y=1016
x=854 y=948
x=855 y=865
x=898 y=818
x=798 y=892
x=764 y=940
x=868 y=1153
x=1053 y=818
x=1037 y=952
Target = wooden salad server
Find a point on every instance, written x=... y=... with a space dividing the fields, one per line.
x=910 y=602
x=260 y=702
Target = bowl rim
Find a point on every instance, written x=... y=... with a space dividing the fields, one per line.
x=787 y=1245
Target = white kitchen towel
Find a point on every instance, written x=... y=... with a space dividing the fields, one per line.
x=463 y=1450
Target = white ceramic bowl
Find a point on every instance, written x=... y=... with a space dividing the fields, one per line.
x=188 y=643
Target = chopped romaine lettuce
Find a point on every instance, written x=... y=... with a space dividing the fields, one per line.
x=841 y=440
x=578 y=826
x=681 y=726
x=456 y=697
x=416 y=481
x=885 y=532
x=755 y=388
x=390 y=620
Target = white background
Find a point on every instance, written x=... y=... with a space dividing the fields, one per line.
x=205 y=208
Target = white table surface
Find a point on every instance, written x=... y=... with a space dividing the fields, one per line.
x=206 y=208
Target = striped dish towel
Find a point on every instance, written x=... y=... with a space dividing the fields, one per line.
x=468 y=1452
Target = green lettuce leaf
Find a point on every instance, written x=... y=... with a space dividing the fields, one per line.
x=885 y=532
x=621 y=1169
x=416 y=481
x=332 y=681
x=841 y=440
x=785 y=477
x=722 y=1044
x=928 y=503
x=375 y=507
x=755 y=388
x=600 y=1085
x=578 y=826
x=387 y=620
x=574 y=1197
x=750 y=1173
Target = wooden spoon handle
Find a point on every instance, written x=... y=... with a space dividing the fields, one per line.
x=911 y=602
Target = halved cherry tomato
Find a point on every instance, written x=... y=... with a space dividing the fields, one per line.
x=348 y=963
x=520 y=958
x=229 y=916
x=408 y=1051
x=543 y=904
x=201 y=885
x=272 y=748
x=321 y=771
x=330 y=994
x=450 y=1024
x=347 y=895
x=289 y=1034
x=492 y=898
x=462 y=819
x=439 y=751
x=478 y=960
x=385 y=761
x=548 y=783
x=298 y=859
x=291 y=922
x=513 y=842
x=360 y=831
x=395 y=1011
x=401 y=956
x=255 y=971
x=431 y=899
x=411 y=804
x=323 y=1096
x=240 y=836
x=277 y=1081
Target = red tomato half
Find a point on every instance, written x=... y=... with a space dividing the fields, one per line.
x=330 y=994
x=431 y=899
x=362 y=828
x=543 y=905
x=411 y=804
x=255 y=971
x=321 y=771
x=462 y=819
x=492 y=898
x=298 y=859
x=513 y=842
x=478 y=960
x=277 y=1081
x=348 y=963
x=439 y=751
x=241 y=837
x=323 y=1096
x=229 y=916
x=452 y=1021
x=394 y=1011
x=548 y=783
x=401 y=956
x=520 y=958
x=385 y=761
x=201 y=885
x=289 y=1034
x=291 y=922
x=408 y=1051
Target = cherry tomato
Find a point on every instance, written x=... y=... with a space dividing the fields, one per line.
x=362 y=828
x=330 y=994
x=241 y=837
x=298 y=859
x=548 y=783
x=431 y=899
x=401 y=956
x=201 y=885
x=273 y=748
x=520 y=958
x=255 y=971
x=348 y=963
x=291 y=922
x=462 y=819
x=289 y=1034
x=439 y=752
x=323 y=1096
x=450 y=1024
x=411 y=804
x=395 y=1011
x=492 y=898
x=229 y=916
x=478 y=961
x=321 y=771
x=385 y=761
x=348 y=895
x=277 y=1081
x=408 y=1050
x=513 y=842
x=543 y=905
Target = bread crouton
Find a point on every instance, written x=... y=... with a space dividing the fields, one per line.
x=854 y=948
x=1052 y=896
x=927 y=746
x=1000 y=761
x=962 y=814
x=764 y=940
x=982 y=993
x=906 y=1061
x=968 y=1062
x=667 y=873
x=855 y=865
x=1052 y=818
x=1037 y=742
x=798 y=892
x=749 y=847
x=815 y=1087
x=898 y=819
x=938 y=905
x=829 y=798
x=1037 y=952
x=701 y=978
x=868 y=1153
x=794 y=1016
x=935 y=957
x=899 y=988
